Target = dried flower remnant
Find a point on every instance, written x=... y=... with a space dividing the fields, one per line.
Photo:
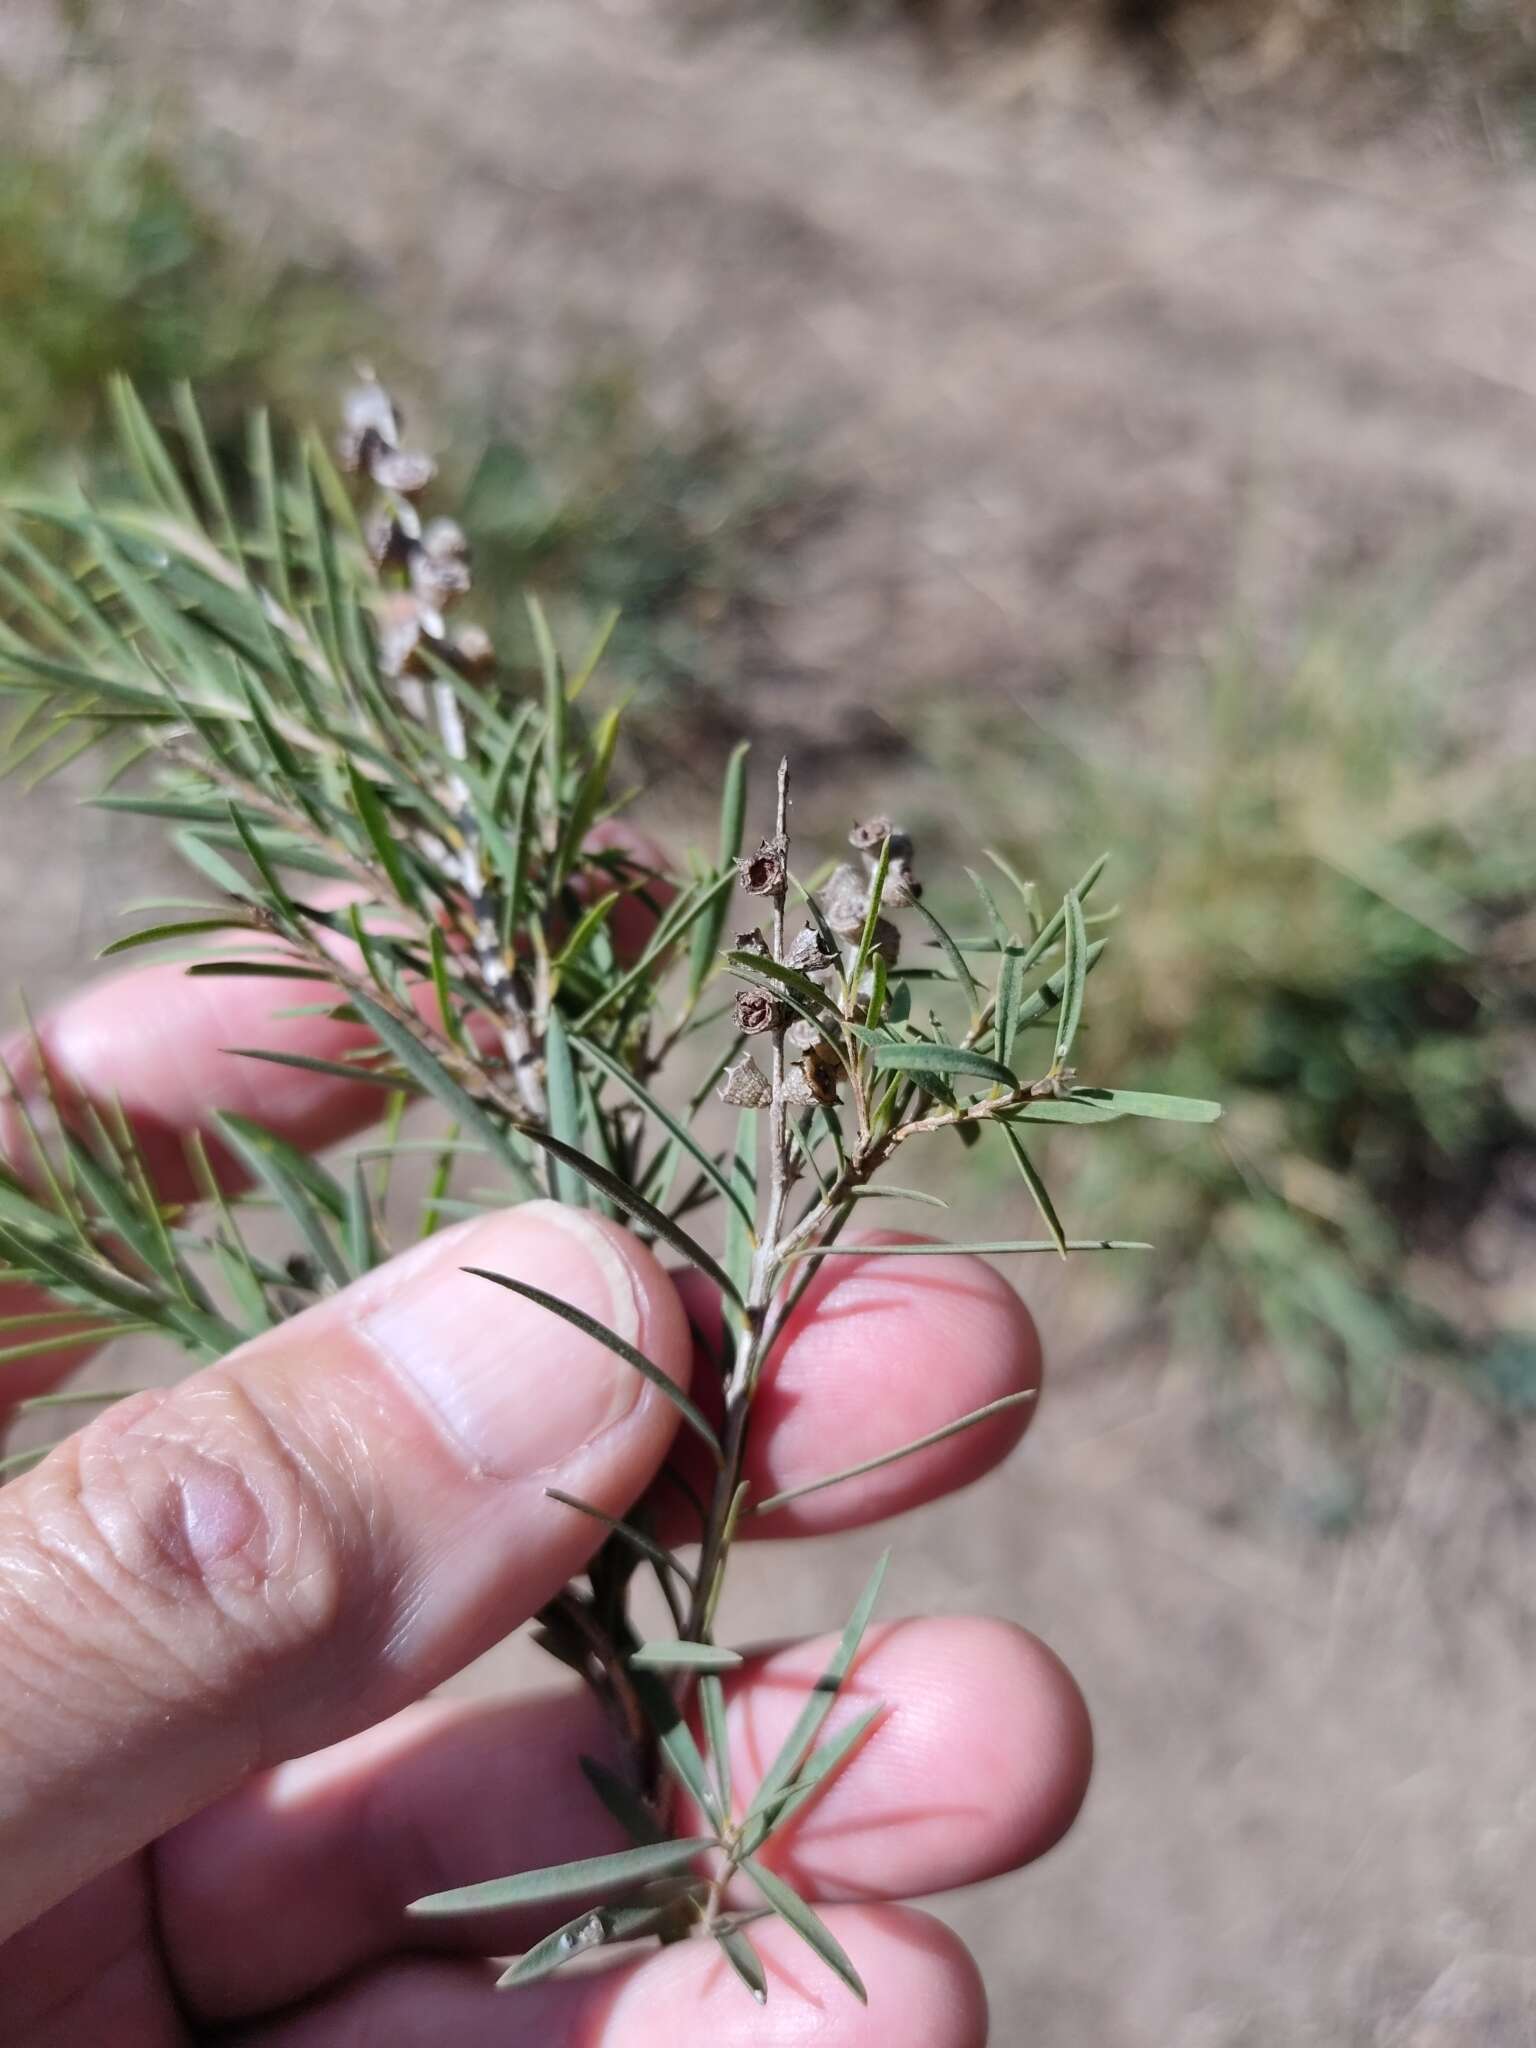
x=844 y=901
x=745 y=1085
x=757 y=1012
x=764 y=873
x=809 y=953
x=815 y=1077
x=458 y=810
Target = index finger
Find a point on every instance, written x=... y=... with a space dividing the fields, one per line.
x=157 y=1042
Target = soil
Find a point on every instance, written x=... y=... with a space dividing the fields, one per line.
x=1086 y=379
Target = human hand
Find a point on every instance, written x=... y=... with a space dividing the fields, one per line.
x=274 y=1559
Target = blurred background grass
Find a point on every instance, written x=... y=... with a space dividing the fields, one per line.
x=692 y=381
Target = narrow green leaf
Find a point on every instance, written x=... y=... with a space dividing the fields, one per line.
x=214 y=866
x=429 y=1074
x=447 y=1008
x=818 y=1768
x=77 y=1276
x=996 y=1248
x=329 y=614
x=79 y=1397
x=919 y=1443
x=602 y=1135
x=360 y=1237
x=717 y=1731
x=743 y=1959
x=622 y=1801
x=733 y=810
x=952 y=953
x=264 y=476
x=564 y=1113
x=586 y=928
x=620 y=1192
x=1047 y=935
x=594 y=653
x=646 y=1545
x=305 y=1191
x=1006 y=1006
x=260 y=859
x=1000 y=931
x=816 y=1709
x=619 y=1346
x=374 y=820
x=205 y=468
x=790 y=1907
x=121 y=1207
x=522 y=845
x=1039 y=1194
x=811 y=1001
x=252 y=1139
x=146 y=451
x=1104 y=1105
x=156 y=934
x=584 y=805
x=871 y=918
x=740 y=1223
x=601 y=1928
x=1028 y=891
x=565 y=1880
x=679 y=1752
x=683 y=1656
x=680 y=917
x=616 y=1071
x=733 y=1515
x=1074 y=978
x=338 y=1070
x=1048 y=994
x=80 y=1337
x=944 y=1059
x=825 y=1760
x=554 y=701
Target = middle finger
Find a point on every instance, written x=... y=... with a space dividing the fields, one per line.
x=978 y=1763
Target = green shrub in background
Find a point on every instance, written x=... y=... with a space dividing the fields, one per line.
x=669 y=531
x=107 y=264
x=1336 y=929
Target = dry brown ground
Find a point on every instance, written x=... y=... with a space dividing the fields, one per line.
x=1088 y=377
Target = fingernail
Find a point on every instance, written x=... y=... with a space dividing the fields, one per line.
x=514 y=1386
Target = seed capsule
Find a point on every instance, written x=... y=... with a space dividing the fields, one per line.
x=745 y=1086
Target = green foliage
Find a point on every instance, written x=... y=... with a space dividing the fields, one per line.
x=275 y=664
x=663 y=531
x=1334 y=898
x=106 y=265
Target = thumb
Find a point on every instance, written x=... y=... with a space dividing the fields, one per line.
x=294 y=1543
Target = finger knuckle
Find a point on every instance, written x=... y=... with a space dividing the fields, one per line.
x=191 y=1538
